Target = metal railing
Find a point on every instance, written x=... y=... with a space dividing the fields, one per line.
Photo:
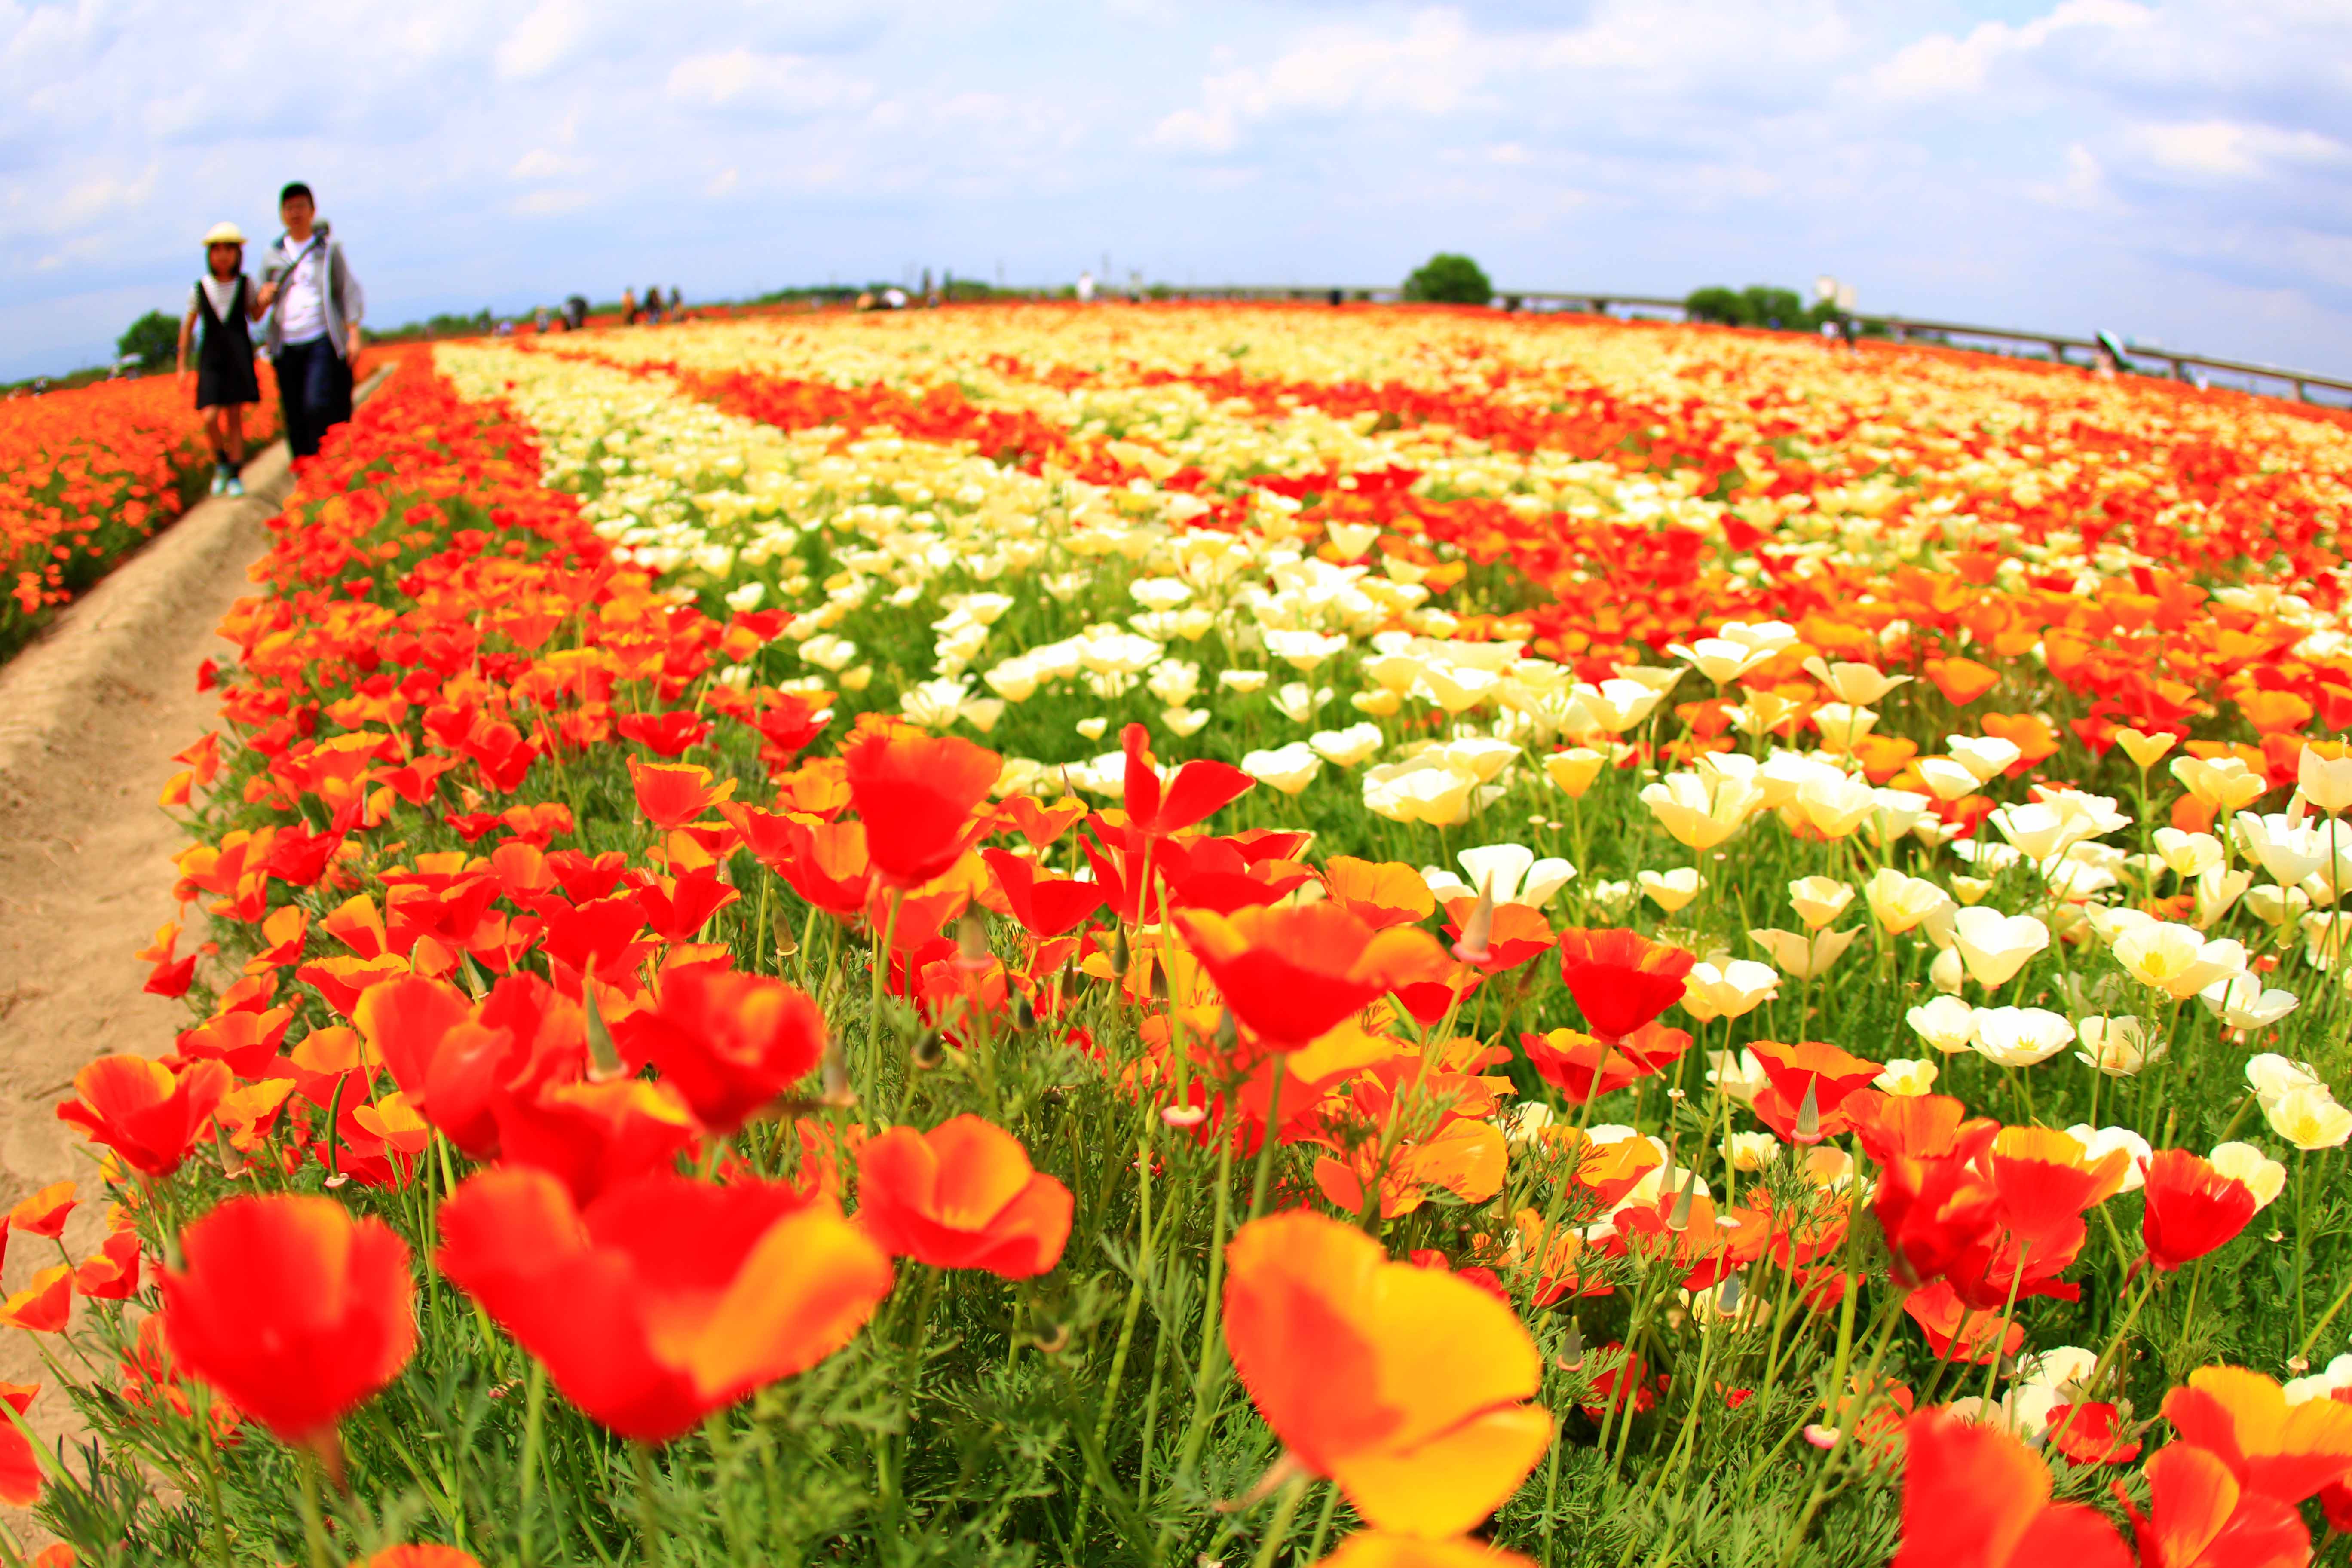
x=1899 y=327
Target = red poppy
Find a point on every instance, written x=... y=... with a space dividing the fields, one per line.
x=1518 y=933
x=1198 y=790
x=1581 y=1066
x=1957 y=1332
x=1620 y=979
x=666 y=1298
x=664 y=734
x=2191 y=1208
x=2090 y=1434
x=730 y=1043
x=141 y=1111
x=2200 y=1515
x=2283 y=1450
x=1975 y=1496
x=45 y=1212
x=20 y=1468
x=672 y=794
x=44 y=1305
x=1294 y=975
x=1807 y=1074
x=293 y=1308
x=1045 y=907
x=962 y=1196
x=916 y=793
x=592 y=1136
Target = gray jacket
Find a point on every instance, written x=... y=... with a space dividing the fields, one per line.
x=345 y=301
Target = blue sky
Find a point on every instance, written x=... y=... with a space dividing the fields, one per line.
x=2178 y=171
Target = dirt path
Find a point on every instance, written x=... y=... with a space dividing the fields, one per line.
x=89 y=715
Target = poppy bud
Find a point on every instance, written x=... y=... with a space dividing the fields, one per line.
x=971 y=943
x=929 y=1050
x=1475 y=930
x=1678 y=1220
x=1572 y=1348
x=1119 y=955
x=1024 y=1017
x=604 y=1061
x=1229 y=1032
x=1809 y=1115
x=786 y=943
x=836 y=1072
x=1728 y=1295
x=1159 y=983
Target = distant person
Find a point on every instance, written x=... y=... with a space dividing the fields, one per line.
x=1085 y=288
x=315 y=307
x=628 y=307
x=652 y=305
x=676 y=303
x=575 y=312
x=223 y=302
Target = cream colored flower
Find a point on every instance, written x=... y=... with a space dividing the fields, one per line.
x=1899 y=902
x=1741 y=1077
x=2220 y=783
x=1842 y=726
x=1185 y=723
x=1730 y=990
x=2309 y=1118
x=1986 y=756
x=2021 y=1036
x=1092 y=729
x=2263 y=1176
x=1834 y=807
x=1244 y=681
x=2277 y=906
x=1519 y=876
x=2176 y=959
x=2098 y=1143
x=1905 y=1076
x=2325 y=781
x=1946 y=1023
x=1819 y=900
x=1720 y=659
x=1289 y=768
x=1971 y=889
x=1671 y=890
x=2187 y=854
x=1949 y=778
x=2145 y=751
x=1698 y=817
x=1803 y=956
x=1995 y=946
x=1426 y=788
x=1618 y=705
x=2115 y=1045
x=1298 y=702
x=1859 y=684
x=1749 y=1153
x=1347 y=747
x=1573 y=770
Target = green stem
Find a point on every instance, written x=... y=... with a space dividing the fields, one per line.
x=314 y=1526
x=534 y=1422
x=1278 y=1527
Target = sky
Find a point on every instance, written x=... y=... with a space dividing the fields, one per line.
x=2176 y=171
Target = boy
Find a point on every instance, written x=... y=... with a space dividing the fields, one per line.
x=314 y=323
x=224 y=301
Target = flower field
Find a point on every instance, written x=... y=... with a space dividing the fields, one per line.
x=1209 y=934
x=85 y=477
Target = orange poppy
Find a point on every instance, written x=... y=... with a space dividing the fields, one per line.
x=1197 y=791
x=1381 y=894
x=666 y=1298
x=916 y=793
x=45 y=1212
x=1408 y=1388
x=730 y=1043
x=2285 y=1451
x=2191 y=1208
x=1975 y=1496
x=1380 y=1549
x=672 y=794
x=20 y=1468
x=1807 y=1088
x=142 y=1111
x=1620 y=979
x=962 y=1195
x=293 y=1308
x=1293 y=974
x=2200 y=1515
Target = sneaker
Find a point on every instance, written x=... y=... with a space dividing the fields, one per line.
x=236 y=487
x=220 y=479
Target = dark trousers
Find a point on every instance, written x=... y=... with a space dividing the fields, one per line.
x=314 y=385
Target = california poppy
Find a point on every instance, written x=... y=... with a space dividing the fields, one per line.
x=1620 y=979
x=2202 y=1515
x=144 y=1112
x=1807 y=1087
x=592 y=1136
x=729 y=1042
x=1975 y=1496
x=292 y=1307
x=1580 y=1066
x=1381 y=894
x=666 y=1298
x=2192 y=1208
x=916 y=793
x=1291 y=974
x=672 y=794
x=45 y=1212
x=2283 y=1450
x=1045 y=907
x=1408 y=1388
x=1380 y=1549
x=20 y=1469
x=962 y=1195
x=1199 y=789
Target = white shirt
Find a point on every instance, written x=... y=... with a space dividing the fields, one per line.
x=223 y=294
x=302 y=294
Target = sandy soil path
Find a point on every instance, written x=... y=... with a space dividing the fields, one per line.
x=89 y=715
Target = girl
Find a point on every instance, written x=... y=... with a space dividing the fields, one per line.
x=224 y=301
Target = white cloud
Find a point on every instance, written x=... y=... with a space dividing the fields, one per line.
x=1432 y=68
x=787 y=84
x=1941 y=65
x=2229 y=149
x=551 y=203
x=538 y=164
x=722 y=183
x=542 y=40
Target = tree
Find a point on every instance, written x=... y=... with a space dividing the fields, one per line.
x=1449 y=280
x=154 y=340
x=1719 y=304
